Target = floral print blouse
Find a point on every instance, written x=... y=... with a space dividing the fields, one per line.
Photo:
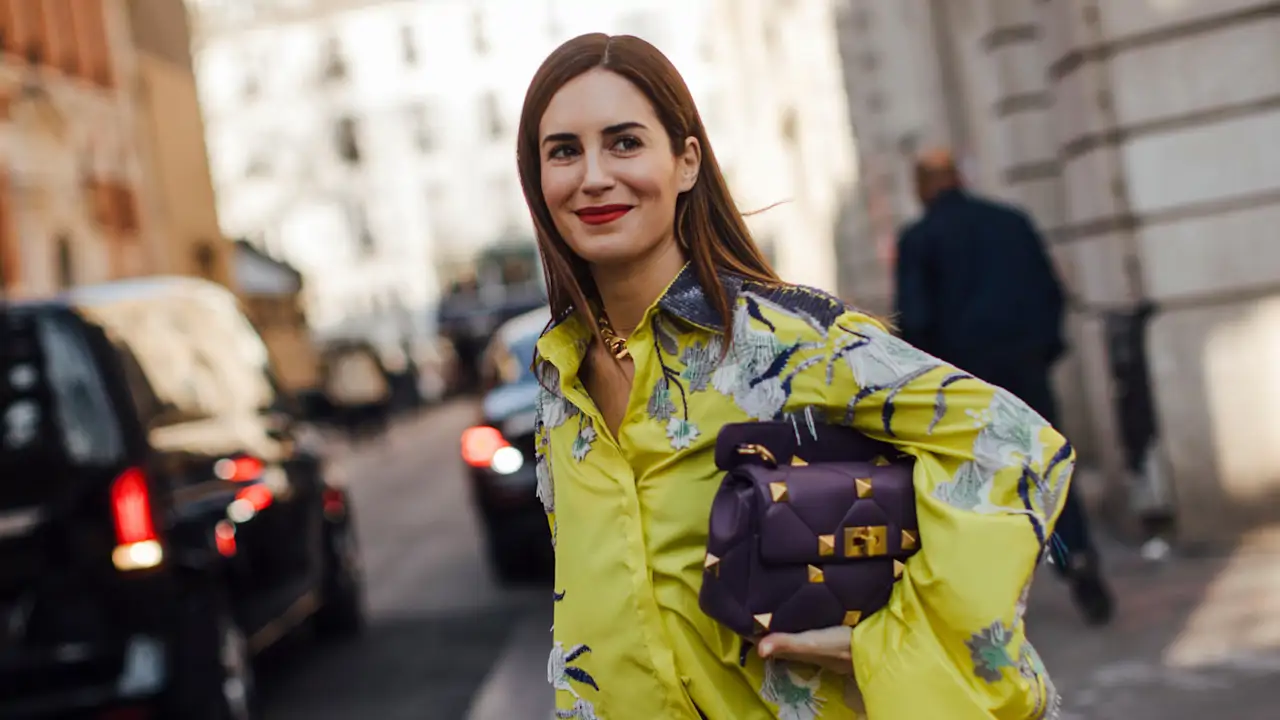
x=629 y=517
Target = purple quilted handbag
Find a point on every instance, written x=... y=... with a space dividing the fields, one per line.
x=810 y=527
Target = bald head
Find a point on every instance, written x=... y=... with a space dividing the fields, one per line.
x=936 y=172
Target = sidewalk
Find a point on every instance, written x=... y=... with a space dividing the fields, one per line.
x=1192 y=638
x=517 y=688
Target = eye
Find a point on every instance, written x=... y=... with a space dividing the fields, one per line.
x=562 y=152
x=627 y=144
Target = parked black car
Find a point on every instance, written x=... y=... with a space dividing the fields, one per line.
x=499 y=454
x=159 y=522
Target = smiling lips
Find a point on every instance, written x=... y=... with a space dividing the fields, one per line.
x=602 y=214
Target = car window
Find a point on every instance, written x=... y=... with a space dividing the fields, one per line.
x=28 y=434
x=522 y=352
x=87 y=422
x=54 y=404
x=190 y=358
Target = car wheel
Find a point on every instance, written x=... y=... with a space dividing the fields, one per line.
x=342 y=611
x=214 y=671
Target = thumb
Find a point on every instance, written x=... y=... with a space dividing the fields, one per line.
x=777 y=643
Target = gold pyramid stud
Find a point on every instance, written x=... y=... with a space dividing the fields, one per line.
x=898 y=567
x=880 y=461
x=864 y=487
x=852 y=617
x=779 y=491
x=826 y=545
x=815 y=574
x=711 y=561
x=763 y=621
x=798 y=461
x=909 y=540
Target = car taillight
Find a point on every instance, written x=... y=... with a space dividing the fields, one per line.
x=244 y=468
x=137 y=545
x=335 y=503
x=479 y=444
x=485 y=447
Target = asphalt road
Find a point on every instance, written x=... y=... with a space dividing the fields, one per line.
x=437 y=619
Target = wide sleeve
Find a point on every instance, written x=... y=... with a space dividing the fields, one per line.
x=990 y=479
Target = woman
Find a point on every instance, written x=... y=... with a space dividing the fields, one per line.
x=669 y=324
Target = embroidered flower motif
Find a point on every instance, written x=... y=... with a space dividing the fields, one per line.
x=581 y=710
x=661 y=406
x=968 y=490
x=668 y=337
x=796 y=698
x=699 y=361
x=545 y=489
x=682 y=433
x=582 y=443
x=553 y=409
x=886 y=361
x=561 y=674
x=989 y=648
x=1031 y=667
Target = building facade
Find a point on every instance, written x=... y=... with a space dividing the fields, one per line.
x=103 y=172
x=71 y=207
x=370 y=143
x=171 y=138
x=1143 y=137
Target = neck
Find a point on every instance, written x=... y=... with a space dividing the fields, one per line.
x=628 y=289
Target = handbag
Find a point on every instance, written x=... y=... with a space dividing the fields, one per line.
x=810 y=528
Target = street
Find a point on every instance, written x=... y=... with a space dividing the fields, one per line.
x=437 y=621
x=1193 y=637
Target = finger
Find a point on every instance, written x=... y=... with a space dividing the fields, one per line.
x=839 y=666
x=776 y=643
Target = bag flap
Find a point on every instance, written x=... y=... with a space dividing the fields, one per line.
x=833 y=512
x=819 y=443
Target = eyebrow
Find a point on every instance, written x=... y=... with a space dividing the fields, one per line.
x=610 y=130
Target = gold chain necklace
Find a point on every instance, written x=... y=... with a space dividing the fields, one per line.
x=616 y=345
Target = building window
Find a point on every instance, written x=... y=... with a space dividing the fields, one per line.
x=421 y=128
x=491 y=115
x=348 y=141
x=335 y=63
x=408 y=45
x=257 y=167
x=206 y=261
x=251 y=87
x=66 y=263
x=366 y=243
x=480 y=34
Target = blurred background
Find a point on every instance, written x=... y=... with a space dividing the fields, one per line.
x=345 y=168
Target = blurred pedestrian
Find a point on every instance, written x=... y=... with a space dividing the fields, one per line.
x=668 y=324
x=977 y=289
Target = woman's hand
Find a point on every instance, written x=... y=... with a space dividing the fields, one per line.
x=828 y=648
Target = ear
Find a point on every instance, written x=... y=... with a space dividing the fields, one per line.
x=688 y=163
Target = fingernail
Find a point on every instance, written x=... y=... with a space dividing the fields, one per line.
x=766 y=650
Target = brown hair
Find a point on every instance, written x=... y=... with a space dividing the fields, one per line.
x=708 y=225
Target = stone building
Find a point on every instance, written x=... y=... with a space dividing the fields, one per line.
x=103 y=172
x=1144 y=136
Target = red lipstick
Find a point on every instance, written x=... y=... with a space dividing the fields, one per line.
x=602 y=214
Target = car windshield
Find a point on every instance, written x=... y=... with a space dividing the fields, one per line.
x=522 y=350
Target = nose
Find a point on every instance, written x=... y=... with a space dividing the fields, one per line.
x=597 y=178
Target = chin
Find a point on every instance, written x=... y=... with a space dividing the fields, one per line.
x=609 y=248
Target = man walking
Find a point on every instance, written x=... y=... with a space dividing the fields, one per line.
x=976 y=288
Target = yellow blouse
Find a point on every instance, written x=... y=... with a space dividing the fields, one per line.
x=629 y=517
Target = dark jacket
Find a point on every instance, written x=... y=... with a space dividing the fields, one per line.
x=975 y=285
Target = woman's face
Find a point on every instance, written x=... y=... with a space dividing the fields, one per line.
x=609 y=177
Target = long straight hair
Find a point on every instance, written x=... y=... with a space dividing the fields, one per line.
x=708 y=225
